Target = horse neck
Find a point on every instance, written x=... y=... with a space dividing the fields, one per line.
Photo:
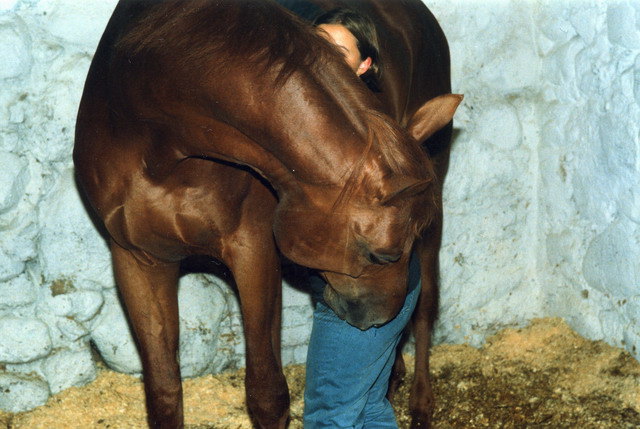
x=271 y=95
x=310 y=131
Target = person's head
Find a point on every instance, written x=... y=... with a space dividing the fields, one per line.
x=355 y=35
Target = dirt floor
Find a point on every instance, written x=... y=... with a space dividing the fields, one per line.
x=542 y=376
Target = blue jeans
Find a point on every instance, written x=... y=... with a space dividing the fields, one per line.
x=348 y=369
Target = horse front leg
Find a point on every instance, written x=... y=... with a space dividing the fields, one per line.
x=399 y=370
x=258 y=277
x=149 y=292
x=421 y=399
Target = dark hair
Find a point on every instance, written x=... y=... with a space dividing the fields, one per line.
x=366 y=36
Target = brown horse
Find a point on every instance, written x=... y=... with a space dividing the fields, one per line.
x=182 y=94
x=415 y=63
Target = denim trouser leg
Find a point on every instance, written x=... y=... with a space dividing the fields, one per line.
x=379 y=412
x=348 y=369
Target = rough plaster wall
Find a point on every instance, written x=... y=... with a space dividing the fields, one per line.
x=488 y=271
x=542 y=205
x=589 y=255
x=541 y=208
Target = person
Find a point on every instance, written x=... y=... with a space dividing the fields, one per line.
x=355 y=36
x=348 y=369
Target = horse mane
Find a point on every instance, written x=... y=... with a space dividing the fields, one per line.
x=192 y=36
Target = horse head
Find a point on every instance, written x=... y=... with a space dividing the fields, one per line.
x=360 y=235
x=361 y=246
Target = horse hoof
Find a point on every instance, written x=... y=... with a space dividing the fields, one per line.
x=421 y=422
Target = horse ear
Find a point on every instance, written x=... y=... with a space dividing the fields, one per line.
x=404 y=187
x=433 y=115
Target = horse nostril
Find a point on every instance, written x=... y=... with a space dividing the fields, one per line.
x=383 y=258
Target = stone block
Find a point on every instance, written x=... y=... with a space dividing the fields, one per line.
x=202 y=307
x=14 y=176
x=10 y=267
x=23 y=340
x=71 y=329
x=70 y=248
x=15 y=47
x=611 y=261
x=21 y=392
x=66 y=368
x=77 y=25
x=17 y=292
x=112 y=337
x=623 y=21
x=8 y=4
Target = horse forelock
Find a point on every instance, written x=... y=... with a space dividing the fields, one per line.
x=353 y=180
x=401 y=156
x=398 y=153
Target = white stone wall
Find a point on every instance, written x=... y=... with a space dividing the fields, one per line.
x=589 y=200
x=490 y=278
x=541 y=203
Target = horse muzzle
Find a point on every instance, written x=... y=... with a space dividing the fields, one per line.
x=356 y=312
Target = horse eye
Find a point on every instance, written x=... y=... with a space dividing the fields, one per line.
x=382 y=258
